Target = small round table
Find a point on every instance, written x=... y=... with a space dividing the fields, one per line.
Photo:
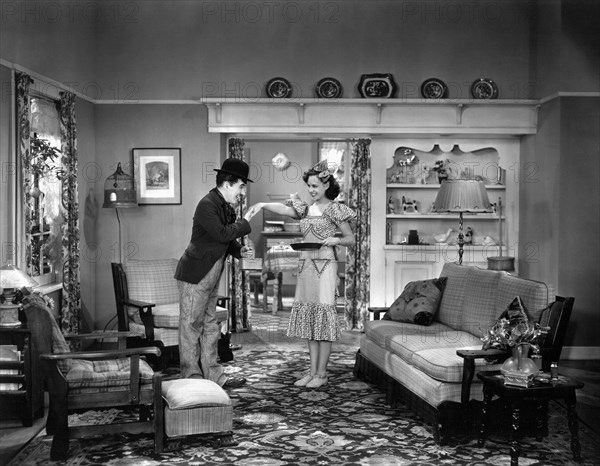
x=539 y=393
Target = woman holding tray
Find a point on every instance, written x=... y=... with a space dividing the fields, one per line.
x=314 y=314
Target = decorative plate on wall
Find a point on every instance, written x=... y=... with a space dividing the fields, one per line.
x=434 y=88
x=484 y=88
x=328 y=88
x=377 y=86
x=278 y=88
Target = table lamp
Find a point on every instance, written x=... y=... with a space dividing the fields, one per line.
x=11 y=280
x=462 y=196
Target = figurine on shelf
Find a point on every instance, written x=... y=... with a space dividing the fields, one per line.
x=391 y=206
x=489 y=241
x=443 y=237
x=469 y=236
x=409 y=207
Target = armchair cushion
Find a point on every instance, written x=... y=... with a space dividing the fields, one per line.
x=105 y=373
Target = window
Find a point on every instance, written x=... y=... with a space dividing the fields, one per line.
x=337 y=154
x=43 y=218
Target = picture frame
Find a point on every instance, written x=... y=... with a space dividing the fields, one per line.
x=157 y=171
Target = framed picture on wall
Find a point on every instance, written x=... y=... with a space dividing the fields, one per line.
x=157 y=172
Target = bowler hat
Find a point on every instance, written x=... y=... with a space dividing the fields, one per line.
x=237 y=168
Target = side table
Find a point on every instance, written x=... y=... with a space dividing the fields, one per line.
x=27 y=400
x=539 y=393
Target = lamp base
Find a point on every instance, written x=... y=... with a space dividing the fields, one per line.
x=9 y=315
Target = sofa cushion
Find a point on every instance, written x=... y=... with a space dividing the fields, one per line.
x=418 y=303
x=451 y=306
x=479 y=306
x=535 y=295
x=445 y=365
x=152 y=280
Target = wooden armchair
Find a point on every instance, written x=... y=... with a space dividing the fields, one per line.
x=147 y=301
x=93 y=380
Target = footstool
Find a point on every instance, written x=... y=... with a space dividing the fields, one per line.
x=192 y=407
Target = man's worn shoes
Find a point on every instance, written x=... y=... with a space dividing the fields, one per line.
x=234 y=382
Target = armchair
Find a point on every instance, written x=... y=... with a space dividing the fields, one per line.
x=147 y=300
x=92 y=380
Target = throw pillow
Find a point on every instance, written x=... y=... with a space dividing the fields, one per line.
x=418 y=303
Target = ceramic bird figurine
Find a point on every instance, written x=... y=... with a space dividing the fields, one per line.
x=443 y=237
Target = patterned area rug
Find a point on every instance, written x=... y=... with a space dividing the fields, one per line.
x=344 y=423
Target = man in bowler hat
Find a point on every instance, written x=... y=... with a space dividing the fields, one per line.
x=215 y=231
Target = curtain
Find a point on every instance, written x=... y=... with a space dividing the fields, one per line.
x=359 y=257
x=71 y=292
x=23 y=82
x=239 y=285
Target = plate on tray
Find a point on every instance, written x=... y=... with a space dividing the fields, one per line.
x=305 y=246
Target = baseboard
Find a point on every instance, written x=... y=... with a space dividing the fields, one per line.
x=580 y=352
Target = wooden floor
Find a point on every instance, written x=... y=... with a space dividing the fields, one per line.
x=268 y=329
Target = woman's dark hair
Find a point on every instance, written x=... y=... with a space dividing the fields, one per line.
x=334 y=187
x=222 y=177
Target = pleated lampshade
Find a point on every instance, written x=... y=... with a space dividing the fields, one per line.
x=462 y=196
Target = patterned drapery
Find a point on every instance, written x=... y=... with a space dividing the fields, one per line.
x=239 y=285
x=23 y=82
x=71 y=294
x=70 y=306
x=359 y=257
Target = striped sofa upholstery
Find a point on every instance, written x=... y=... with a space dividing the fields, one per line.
x=424 y=359
x=152 y=281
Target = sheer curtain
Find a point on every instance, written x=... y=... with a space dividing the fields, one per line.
x=359 y=257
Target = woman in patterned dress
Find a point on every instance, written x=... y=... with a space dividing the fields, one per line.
x=314 y=314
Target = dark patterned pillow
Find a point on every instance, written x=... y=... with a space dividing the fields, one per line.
x=418 y=303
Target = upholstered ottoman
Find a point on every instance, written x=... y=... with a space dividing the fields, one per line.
x=192 y=407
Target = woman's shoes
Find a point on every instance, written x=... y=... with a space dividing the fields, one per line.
x=317 y=381
x=304 y=380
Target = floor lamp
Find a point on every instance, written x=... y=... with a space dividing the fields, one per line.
x=462 y=196
x=120 y=193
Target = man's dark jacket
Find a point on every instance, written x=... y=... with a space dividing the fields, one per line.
x=214 y=233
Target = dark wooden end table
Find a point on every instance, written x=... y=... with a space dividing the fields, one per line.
x=539 y=392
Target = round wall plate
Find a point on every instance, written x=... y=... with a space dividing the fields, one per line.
x=328 y=88
x=278 y=88
x=377 y=86
x=484 y=88
x=434 y=88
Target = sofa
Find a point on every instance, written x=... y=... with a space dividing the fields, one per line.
x=430 y=368
x=147 y=299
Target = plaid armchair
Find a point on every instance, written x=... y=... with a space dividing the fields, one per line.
x=147 y=299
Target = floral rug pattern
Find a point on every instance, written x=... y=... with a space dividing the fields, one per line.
x=344 y=423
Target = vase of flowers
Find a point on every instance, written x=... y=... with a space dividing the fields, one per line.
x=514 y=331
